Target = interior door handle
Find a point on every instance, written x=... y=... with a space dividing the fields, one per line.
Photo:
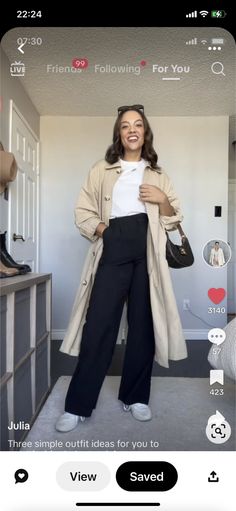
x=17 y=237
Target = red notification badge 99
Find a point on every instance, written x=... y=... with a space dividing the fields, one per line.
x=80 y=63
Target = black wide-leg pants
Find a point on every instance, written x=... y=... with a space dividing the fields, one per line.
x=121 y=274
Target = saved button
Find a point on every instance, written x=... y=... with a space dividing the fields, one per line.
x=146 y=476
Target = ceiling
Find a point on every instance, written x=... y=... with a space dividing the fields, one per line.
x=97 y=91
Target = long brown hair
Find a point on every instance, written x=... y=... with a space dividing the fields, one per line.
x=116 y=150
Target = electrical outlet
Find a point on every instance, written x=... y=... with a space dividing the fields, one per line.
x=186 y=304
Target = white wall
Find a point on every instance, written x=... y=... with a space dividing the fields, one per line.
x=192 y=150
x=70 y=145
x=11 y=88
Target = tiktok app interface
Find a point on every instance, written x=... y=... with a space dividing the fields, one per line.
x=118 y=327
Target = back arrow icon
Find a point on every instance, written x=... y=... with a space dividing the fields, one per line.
x=20 y=47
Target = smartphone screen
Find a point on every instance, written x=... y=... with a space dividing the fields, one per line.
x=118 y=272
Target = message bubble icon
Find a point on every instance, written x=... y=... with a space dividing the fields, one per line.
x=216 y=336
x=21 y=475
x=216 y=376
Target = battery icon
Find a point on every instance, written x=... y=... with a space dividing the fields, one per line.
x=218 y=14
x=217 y=40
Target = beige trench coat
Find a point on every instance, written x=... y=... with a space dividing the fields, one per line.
x=94 y=206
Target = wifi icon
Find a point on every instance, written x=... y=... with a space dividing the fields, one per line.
x=204 y=13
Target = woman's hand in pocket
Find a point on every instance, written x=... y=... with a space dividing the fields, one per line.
x=100 y=229
x=103 y=232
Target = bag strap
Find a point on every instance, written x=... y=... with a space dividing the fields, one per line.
x=182 y=234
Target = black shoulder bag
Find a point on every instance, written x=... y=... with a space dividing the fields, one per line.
x=179 y=256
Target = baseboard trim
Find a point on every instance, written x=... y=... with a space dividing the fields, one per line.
x=58 y=335
x=196 y=365
x=198 y=334
x=195 y=334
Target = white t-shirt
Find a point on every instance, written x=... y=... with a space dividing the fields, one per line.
x=125 y=196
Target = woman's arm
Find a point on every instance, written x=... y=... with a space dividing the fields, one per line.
x=222 y=256
x=165 y=196
x=211 y=256
x=170 y=222
x=87 y=217
x=165 y=208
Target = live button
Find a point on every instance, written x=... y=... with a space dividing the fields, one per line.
x=146 y=476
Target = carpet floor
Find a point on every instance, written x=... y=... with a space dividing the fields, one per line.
x=181 y=408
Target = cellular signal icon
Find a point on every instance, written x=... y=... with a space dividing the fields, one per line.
x=192 y=14
x=192 y=41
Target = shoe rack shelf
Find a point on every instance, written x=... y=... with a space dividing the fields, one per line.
x=25 y=303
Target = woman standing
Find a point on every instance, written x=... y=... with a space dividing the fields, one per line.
x=124 y=208
x=217 y=255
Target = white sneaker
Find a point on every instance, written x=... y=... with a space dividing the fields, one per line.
x=68 y=421
x=140 y=411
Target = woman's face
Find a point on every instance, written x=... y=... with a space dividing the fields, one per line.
x=132 y=131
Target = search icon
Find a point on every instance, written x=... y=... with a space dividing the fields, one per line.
x=218 y=431
x=217 y=68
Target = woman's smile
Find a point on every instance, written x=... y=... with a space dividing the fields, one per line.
x=132 y=138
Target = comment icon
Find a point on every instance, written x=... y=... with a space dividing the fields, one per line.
x=21 y=475
x=216 y=336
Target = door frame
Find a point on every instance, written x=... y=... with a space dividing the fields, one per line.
x=13 y=108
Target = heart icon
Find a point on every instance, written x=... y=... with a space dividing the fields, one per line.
x=216 y=295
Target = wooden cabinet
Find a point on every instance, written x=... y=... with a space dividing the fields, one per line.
x=25 y=306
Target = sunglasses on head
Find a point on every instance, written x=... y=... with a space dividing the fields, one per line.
x=122 y=109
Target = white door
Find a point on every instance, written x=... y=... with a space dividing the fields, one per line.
x=231 y=267
x=24 y=192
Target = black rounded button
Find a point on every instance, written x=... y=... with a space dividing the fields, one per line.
x=146 y=476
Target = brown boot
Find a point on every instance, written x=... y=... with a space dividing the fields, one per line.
x=7 y=272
